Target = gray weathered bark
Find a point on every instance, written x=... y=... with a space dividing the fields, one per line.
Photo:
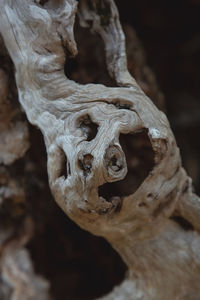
x=81 y=125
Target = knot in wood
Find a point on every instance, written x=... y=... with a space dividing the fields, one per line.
x=115 y=164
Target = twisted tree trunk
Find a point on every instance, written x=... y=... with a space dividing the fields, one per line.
x=86 y=128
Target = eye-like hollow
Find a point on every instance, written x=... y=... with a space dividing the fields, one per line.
x=41 y=2
x=88 y=127
x=140 y=161
x=85 y=164
x=64 y=165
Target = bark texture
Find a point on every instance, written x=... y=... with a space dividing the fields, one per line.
x=85 y=128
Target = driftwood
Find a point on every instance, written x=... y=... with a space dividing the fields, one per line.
x=83 y=126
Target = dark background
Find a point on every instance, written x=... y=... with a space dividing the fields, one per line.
x=170 y=34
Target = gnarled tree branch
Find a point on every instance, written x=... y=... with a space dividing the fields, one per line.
x=82 y=125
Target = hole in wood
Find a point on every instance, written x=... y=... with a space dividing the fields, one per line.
x=140 y=161
x=85 y=164
x=86 y=68
x=114 y=164
x=41 y=2
x=64 y=170
x=186 y=225
x=88 y=128
x=120 y=105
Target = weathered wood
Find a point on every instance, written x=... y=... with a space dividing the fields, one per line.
x=17 y=278
x=81 y=125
